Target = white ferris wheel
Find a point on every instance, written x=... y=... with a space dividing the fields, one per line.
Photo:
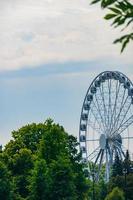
x=106 y=121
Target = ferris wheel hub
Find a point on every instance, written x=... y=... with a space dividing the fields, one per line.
x=102 y=141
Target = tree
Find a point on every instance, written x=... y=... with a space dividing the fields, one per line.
x=27 y=137
x=97 y=189
x=61 y=155
x=129 y=186
x=103 y=189
x=117 y=168
x=116 y=194
x=20 y=166
x=121 y=14
x=119 y=181
x=39 y=182
x=127 y=164
x=53 y=143
x=44 y=163
x=63 y=180
x=5 y=183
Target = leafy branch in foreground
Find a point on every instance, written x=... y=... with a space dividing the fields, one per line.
x=122 y=16
x=124 y=40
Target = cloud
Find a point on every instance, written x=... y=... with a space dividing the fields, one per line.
x=46 y=31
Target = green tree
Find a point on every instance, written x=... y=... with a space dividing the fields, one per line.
x=124 y=184
x=53 y=143
x=63 y=180
x=121 y=14
x=39 y=182
x=116 y=194
x=117 y=168
x=38 y=152
x=57 y=146
x=127 y=164
x=102 y=189
x=20 y=154
x=117 y=181
x=26 y=137
x=5 y=183
x=21 y=164
x=98 y=189
x=129 y=186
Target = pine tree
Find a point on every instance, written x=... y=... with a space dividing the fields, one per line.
x=127 y=164
x=117 y=168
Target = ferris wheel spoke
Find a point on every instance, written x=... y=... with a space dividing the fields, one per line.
x=110 y=154
x=96 y=117
x=122 y=148
x=97 y=130
x=123 y=114
x=94 y=152
x=119 y=151
x=91 y=159
x=119 y=123
x=107 y=166
x=113 y=116
x=117 y=118
x=100 y=114
x=103 y=101
x=109 y=104
x=122 y=152
x=100 y=164
x=98 y=155
x=120 y=109
x=124 y=126
x=124 y=155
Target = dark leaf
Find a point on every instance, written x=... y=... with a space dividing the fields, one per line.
x=129 y=22
x=106 y=3
x=95 y=1
x=110 y=16
x=124 y=44
x=116 y=20
x=120 y=22
x=128 y=4
x=115 y=10
x=120 y=39
x=125 y=39
x=122 y=6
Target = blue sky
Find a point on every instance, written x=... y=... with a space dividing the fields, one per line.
x=50 y=53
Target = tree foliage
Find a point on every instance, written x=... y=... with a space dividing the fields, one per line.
x=116 y=194
x=121 y=14
x=5 y=183
x=117 y=168
x=127 y=164
x=125 y=183
x=43 y=163
x=39 y=182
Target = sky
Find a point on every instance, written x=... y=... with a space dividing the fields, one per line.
x=50 y=51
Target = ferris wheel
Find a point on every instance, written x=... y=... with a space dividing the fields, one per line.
x=106 y=121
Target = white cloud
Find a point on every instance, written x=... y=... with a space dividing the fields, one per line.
x=36 y=32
